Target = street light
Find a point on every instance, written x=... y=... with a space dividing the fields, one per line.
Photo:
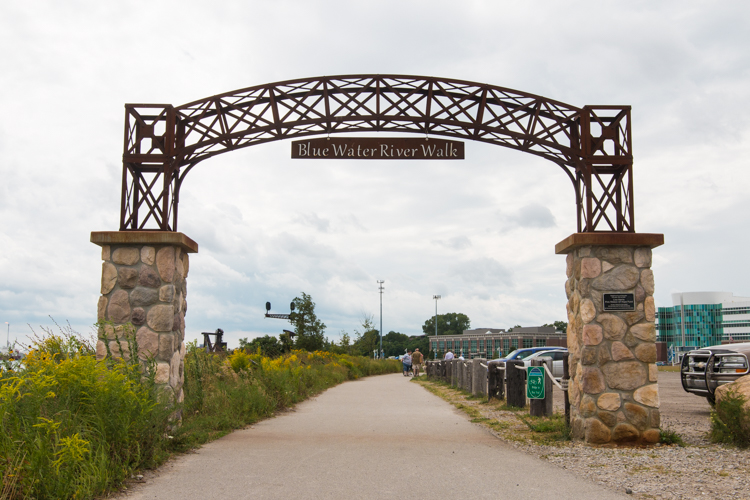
x=7 y=341
x=434 y=353
x=380 y=287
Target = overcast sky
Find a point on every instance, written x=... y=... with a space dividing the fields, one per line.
x=480 y=232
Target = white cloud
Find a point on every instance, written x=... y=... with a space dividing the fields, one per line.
x=480 y=232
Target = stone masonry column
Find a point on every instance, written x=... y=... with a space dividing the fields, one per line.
x=144 y=282
x=613 y=388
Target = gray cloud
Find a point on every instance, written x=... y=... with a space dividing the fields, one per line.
x=314 y=221
x=531 y=215
x=484 y=271
x=455 y=243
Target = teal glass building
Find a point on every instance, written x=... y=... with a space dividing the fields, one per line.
x=700 y=319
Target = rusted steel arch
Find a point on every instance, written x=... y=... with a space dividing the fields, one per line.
x=592 y=144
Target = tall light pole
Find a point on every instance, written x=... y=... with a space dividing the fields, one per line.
x=380 y=287
x=434 y=353
x=7 y=341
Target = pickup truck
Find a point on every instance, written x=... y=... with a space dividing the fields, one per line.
x=703 y=370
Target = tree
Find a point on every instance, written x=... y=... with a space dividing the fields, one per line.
x=394 y=343
x=447 y=324
x=308 y=329
x=368 y=340
x=561 y=326
x=345 y=343
x=269 y=346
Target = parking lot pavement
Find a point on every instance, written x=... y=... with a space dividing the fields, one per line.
x=687 y=414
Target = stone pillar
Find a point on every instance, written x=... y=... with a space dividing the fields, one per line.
x=144 y=283
x=613 y=377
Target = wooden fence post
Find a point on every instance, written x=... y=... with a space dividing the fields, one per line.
x=492 y=379
x=501 y=380
x=516 y=387
x=566 y=378
x=542 y=407
x=476 y=378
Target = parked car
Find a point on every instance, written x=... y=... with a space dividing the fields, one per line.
x=557 y=356
x=703 y=370
x=524 y=353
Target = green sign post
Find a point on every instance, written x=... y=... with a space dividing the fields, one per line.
x=535 y=382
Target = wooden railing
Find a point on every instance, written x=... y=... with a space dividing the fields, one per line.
x=495 y=380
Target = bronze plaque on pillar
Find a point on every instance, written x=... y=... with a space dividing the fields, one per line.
x=378 y=148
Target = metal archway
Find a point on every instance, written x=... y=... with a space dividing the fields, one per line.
x=592 y=144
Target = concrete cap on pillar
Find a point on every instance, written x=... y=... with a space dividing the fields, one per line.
x=102 y=238
x=577 y=240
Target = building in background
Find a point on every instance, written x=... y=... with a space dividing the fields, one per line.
x=700 y=319
x=490 y=342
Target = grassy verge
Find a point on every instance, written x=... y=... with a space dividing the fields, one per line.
x=76 y=428
x=509 y=423
x=515 y=424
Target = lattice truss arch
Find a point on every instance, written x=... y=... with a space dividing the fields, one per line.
x=163 y=143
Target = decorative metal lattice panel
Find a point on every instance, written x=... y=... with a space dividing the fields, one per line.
x=592 y=144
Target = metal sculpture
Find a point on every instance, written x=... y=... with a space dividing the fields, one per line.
x=218 y=345
x=591 y=144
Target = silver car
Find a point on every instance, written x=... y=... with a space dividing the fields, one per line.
x=557 y=356
x=703 y=370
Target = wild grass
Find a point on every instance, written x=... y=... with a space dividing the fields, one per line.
x=668 y=436
x=730 y=421
x=546 y=430
x=74 y=427
x=226 y=393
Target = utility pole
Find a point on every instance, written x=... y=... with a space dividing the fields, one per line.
x=434 y=353
x=380 y=287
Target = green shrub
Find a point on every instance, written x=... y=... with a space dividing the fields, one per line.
x=730 y=420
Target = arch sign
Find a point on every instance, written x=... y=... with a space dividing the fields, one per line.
x=377 y=148
x=613 y=391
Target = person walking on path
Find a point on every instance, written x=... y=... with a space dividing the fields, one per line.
x=448 y=355
x=406 y=360
x=416 y=361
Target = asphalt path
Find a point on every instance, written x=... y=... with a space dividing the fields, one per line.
x=379 y=437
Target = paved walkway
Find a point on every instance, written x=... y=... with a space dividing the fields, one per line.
x=379 y=437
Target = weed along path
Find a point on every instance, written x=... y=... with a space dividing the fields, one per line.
x=378 y=437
